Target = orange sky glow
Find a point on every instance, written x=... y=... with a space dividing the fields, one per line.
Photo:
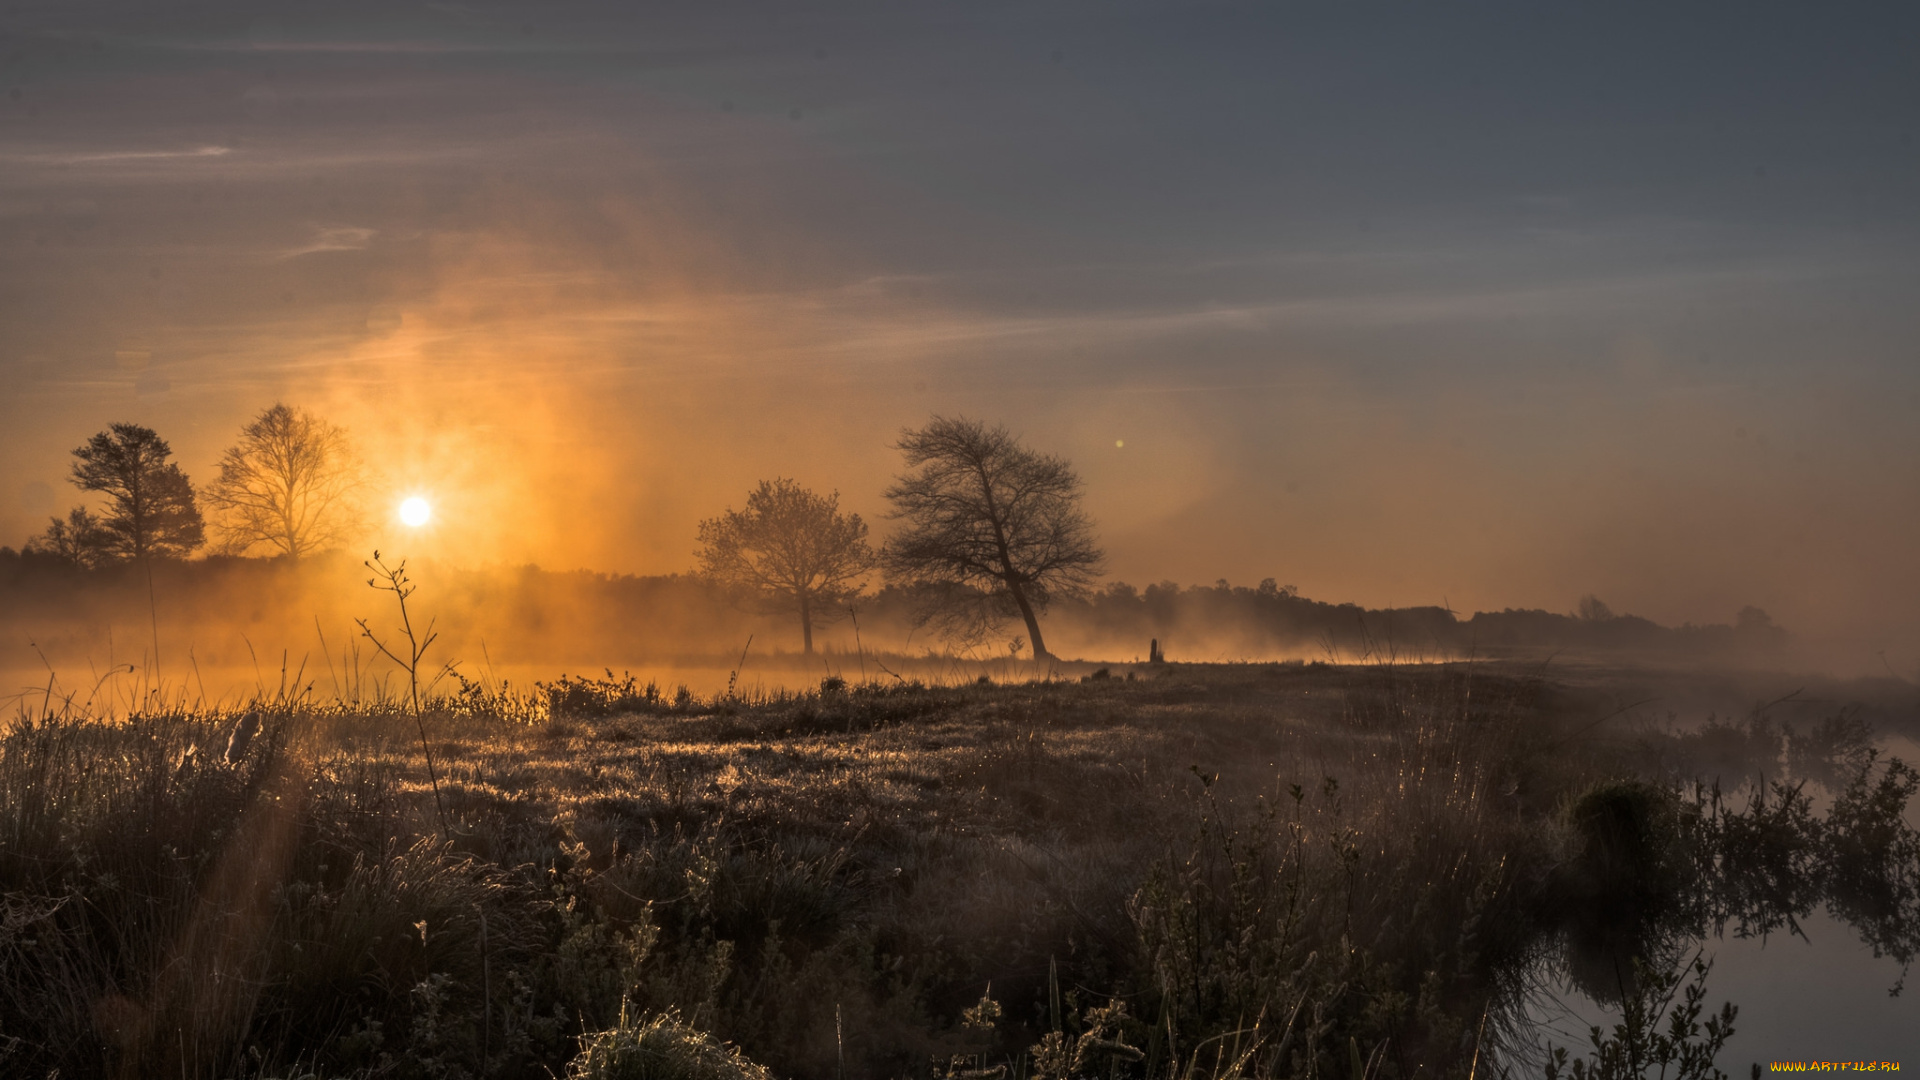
x=581 y=305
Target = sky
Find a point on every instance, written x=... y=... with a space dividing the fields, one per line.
x=1491 y=305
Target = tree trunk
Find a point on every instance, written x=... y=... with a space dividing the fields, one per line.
x=806 y=624
x=1033 y=624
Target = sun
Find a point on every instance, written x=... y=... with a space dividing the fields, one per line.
x=416 y=511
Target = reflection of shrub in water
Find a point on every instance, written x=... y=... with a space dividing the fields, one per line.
x=1653 y=872
x=1720 y=748
x=1625 y=881
x=1766 y=867
x=1759 y=747
x=1839 y=747
x=1654 y=1030
x=1872 y=862
x=1757 y=868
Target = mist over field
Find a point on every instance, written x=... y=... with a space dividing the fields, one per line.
x=226 y=627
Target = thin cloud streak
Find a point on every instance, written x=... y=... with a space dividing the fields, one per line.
x=921 y=330
x=334 y=238
x=59 y=160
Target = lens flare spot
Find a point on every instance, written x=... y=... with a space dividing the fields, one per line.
x=416 y=511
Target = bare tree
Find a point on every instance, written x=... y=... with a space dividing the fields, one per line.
x=150 y=505
x=79 y=539
x=1593 y=609
x=790 y=548
x=992 y=528
x=291 y=484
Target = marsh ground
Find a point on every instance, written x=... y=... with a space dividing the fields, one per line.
x=1172 y=870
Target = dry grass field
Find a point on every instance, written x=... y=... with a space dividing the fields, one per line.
x=1249 y=870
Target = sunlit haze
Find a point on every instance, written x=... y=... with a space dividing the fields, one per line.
x=1399 y=305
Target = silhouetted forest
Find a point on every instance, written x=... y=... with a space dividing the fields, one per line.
x=222 y=607
x=1228 y=622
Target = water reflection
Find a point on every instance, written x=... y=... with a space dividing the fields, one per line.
x=1658 y=874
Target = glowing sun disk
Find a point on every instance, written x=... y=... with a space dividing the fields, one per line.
x=416 y=511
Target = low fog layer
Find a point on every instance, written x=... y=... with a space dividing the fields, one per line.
x=227 y=626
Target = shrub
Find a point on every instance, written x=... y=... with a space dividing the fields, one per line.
x=659 y=1048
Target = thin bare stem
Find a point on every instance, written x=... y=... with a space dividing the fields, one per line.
x=394 y=580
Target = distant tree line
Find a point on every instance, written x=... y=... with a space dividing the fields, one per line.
x=1229 y=622
x=990 y=534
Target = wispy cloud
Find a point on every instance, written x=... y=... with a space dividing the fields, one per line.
x=395 y=47
x=333 y=238
x=428 y=48
x=889 y=329
x=97 y=157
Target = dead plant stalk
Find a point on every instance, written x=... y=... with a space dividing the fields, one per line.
x=394 y=580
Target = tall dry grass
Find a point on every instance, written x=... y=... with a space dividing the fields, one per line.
x=1249 y=870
